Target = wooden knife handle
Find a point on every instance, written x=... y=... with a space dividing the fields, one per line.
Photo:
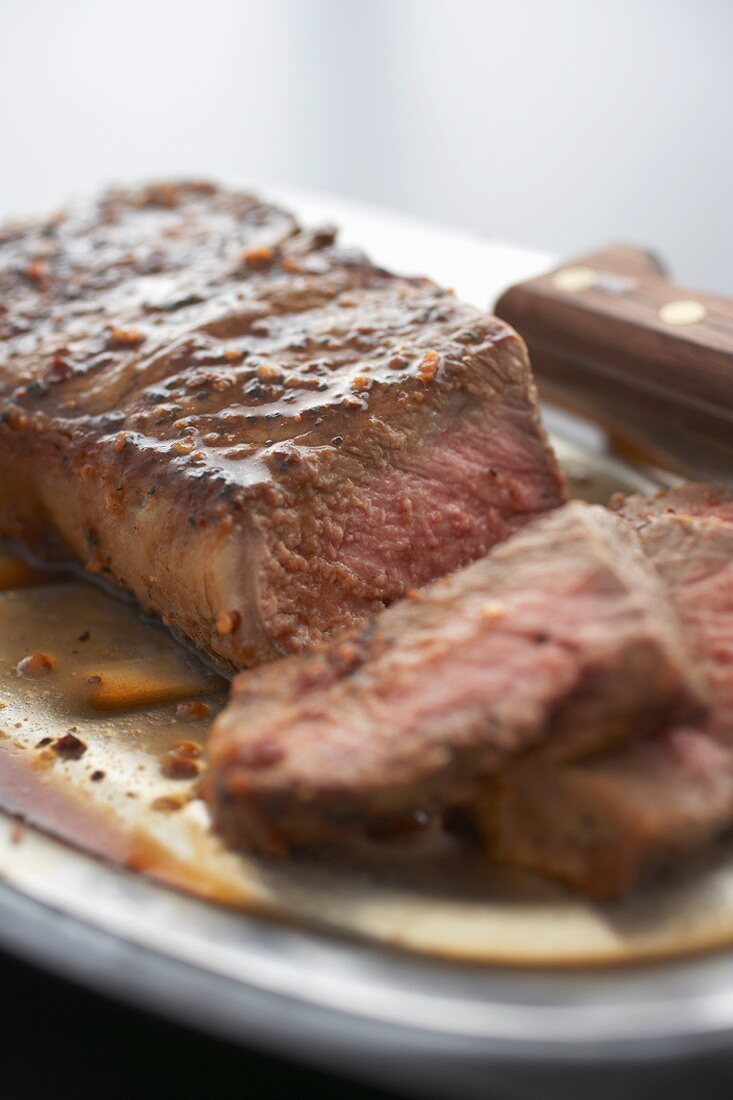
x=610 y=336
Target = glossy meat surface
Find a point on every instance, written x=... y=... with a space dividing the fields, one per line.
x=259 y=433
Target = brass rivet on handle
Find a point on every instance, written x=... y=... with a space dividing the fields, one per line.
x=684 y=312
x=574 y=279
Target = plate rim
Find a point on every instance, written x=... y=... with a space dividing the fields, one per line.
x=208 y=1001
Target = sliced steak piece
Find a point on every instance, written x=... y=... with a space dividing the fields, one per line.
x=262 y=435
x=606 y=825
x=561 y=638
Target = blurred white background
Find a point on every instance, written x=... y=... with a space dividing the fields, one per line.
x=557 y=125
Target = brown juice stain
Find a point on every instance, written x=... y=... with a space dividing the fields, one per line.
x=115 y=800
x=115 y=686
x=15 y=573
x=46 y=802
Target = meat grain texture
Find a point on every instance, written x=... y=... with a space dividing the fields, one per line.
x=608 y=825
x=259 y=433
x=561 y=641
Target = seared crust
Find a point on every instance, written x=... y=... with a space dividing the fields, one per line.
x=221 y=411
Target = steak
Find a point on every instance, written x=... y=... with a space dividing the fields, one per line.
x=607 y=825
x=259 y=433
x=562 y=640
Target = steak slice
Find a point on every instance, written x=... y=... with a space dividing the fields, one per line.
x=262 y=435
x=606 y=825
x=562 y=638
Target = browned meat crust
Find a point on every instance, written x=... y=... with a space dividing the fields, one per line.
x=262 y=435
x=610 y=824
x=561 y=640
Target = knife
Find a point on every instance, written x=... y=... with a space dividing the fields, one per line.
x=612 y=339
